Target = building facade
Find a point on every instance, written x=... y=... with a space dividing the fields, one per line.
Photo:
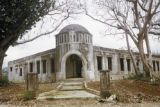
x=76 y=57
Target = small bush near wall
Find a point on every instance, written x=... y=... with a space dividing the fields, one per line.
x=28 y=95
x=156 y=83
x=4 y=81
x=139 y=77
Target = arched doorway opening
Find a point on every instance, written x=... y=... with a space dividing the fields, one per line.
x=73 y=66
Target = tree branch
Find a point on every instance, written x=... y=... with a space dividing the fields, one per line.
x=43 y=34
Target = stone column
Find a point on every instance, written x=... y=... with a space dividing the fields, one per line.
x=104 y=83
x=115 y=64
x=32 y=83
x=25 y=70
x=41 y=70
x=28 y=66
x=91 y=63
x=103 y=62
x=106 y=63
x=34 y=66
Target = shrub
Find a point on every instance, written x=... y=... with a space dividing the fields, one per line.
x=139 y=77
x=28 y=95
x=4 y=81
x=156 y=83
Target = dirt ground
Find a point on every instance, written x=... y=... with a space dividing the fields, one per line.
x=132 y=90
x=14 y=92
x=78 y=103
x=130 y=93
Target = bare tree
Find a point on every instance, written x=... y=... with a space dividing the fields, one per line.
x=137 y=18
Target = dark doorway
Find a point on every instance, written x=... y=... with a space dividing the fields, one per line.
x=73 y=67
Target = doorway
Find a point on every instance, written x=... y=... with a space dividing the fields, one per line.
x=74 y=67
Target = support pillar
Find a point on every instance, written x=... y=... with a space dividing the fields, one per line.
x=32 y=83
x=103 y=62
x=105 y=83
x=41 y=70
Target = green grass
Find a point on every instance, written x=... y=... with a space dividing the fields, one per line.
x=139 y=77
x=4 y=81
x=28 y=95
x=156 y=83
x=144 y=78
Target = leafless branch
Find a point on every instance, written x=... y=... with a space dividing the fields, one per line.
x=61 y=12
x=104 y=22
x=43 y=34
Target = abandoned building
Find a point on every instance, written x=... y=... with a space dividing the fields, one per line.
x=76 y=57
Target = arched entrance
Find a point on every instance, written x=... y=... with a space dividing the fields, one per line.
x=73 y=66
x=63 y=73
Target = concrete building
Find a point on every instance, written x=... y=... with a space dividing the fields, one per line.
x=76 y=57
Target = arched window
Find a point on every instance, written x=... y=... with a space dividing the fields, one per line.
x=74 y=38
x=64 y=37
x=60 y=38
x=86 y=37
x=81 y=37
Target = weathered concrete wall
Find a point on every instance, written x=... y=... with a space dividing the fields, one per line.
x=116 y=72
x=15 y=76
x=14 y=72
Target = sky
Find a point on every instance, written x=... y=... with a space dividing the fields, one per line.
x=48 y=42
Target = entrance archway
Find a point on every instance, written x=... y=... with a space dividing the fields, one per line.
x=73 y=66
x=63 y=63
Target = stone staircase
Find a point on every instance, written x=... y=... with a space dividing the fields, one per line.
x=73 y=84
x=69 y=89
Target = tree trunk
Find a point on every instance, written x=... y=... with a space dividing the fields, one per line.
x=148 y=50
x=2 y=55
x=152 y=74
x=147 y=68
x=132 y=58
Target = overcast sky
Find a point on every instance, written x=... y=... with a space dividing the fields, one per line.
x=48 y=42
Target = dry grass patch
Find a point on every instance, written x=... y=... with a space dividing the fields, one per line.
x=131 y=90
x=15 y=92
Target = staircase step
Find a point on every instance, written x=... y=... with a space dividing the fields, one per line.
x=74 y=79
x=73 y=83
x=67 y=87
